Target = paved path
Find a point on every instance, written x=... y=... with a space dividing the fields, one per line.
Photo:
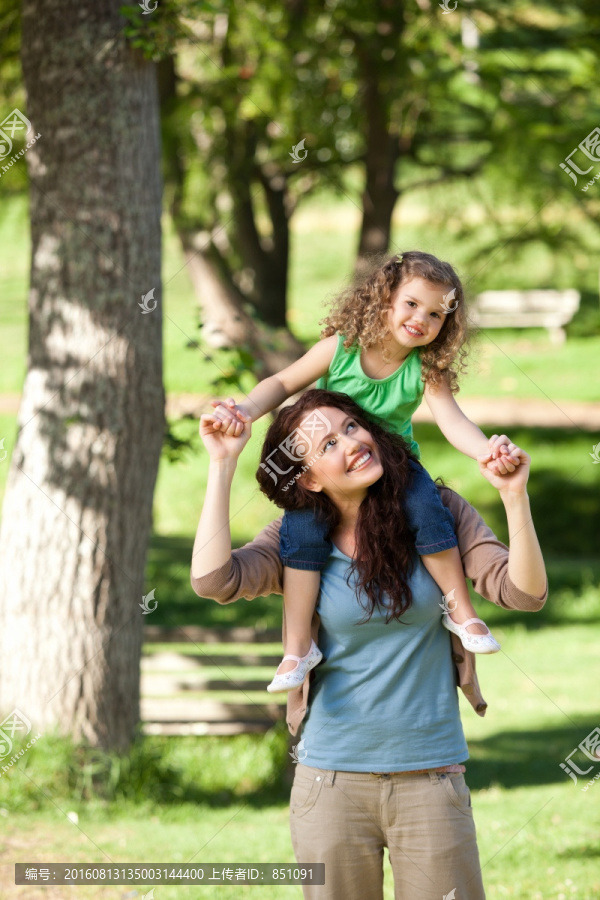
x=508 y=411
x=500 y=412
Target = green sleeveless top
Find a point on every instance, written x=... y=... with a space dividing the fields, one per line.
x=393 y=399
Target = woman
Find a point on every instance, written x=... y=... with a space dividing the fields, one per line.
x=383 y=741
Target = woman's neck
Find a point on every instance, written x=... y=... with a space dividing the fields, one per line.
x=348 y=510
x=344 y=535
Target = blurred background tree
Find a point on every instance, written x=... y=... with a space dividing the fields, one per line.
x=382 y=100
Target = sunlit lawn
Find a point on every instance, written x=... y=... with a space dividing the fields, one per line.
x=539 y=834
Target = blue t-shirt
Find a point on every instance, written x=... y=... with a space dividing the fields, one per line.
x=384 y=698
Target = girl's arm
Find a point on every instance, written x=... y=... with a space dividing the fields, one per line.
x=272 y=392
x=464 y=434
x=452 y=422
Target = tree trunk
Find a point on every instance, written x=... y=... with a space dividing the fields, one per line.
x=225 y=320
x=226 y=323
x=78 y=505
x=266 y=258
x=382 y=150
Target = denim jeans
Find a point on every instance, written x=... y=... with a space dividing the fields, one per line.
x=303 y=543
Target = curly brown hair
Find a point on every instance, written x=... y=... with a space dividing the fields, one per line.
x=385 y=555
x=359 y=312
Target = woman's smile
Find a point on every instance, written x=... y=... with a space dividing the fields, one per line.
x=363 y=460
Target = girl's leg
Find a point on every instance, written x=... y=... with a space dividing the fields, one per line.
x=304 y=550
x=300 y=592
x=460 y=616
x=301 y=588
x=446 y=570
x=436 y=544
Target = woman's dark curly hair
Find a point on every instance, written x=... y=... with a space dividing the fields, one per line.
x=385 y=546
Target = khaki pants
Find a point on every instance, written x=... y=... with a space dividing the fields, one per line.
x=345 y=819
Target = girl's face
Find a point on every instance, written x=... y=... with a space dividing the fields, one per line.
x=416 y=315
x=347 y=460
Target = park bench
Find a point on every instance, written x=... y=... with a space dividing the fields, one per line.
x=201 y=686
x=526 y=309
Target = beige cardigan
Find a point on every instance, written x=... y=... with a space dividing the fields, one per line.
x=255 y=570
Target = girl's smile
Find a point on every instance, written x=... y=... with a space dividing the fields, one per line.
x=414 y=332
x=416 y=315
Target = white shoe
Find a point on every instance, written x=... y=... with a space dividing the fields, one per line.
x=290 y=680
x=476 y=643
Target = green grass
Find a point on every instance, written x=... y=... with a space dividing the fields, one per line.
x=14 y=274
x=224 y=800
x=528 y=365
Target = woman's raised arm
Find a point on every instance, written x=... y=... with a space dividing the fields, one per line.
x=526 y=567
x=212 y=546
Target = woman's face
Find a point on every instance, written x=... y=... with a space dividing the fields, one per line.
x=347 y=460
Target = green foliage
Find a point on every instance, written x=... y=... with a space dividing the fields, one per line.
x=156 y=32
x=181 y=438
x=480 y=127
x=12 y=92
x=586 y=322
x=242 y=362
x=157 y=771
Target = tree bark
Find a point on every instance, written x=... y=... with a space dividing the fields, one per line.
x=226 y=323
x=78 y=505
x=382 y=151
x=267 y=258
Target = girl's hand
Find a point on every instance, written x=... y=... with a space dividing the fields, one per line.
x=499 y=445
x=230 y=417
x=517 y=474
x=500 y=457
x=222 y=443
x=505 y=463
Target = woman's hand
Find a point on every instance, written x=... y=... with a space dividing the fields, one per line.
x=223 y=443
x=525 y=561
x=514 y=481
x=229 y=416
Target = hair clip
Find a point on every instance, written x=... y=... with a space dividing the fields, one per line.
x=400 y=257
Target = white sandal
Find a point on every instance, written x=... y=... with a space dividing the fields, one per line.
x=476 y=643
x=290 y=680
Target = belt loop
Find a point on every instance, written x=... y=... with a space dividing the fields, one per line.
x=434 y=777
x=329 y=777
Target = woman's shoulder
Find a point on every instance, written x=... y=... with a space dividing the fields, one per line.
x=471 y=530
x=458 y=506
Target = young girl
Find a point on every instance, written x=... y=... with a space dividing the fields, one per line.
x=395 y=336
